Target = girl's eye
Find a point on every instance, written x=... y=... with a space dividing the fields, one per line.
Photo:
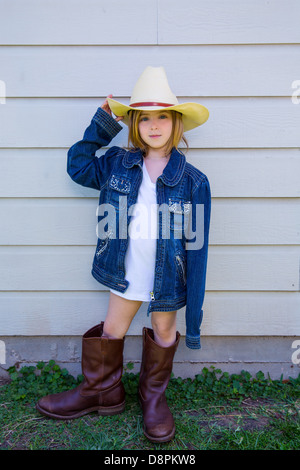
x=146 y=118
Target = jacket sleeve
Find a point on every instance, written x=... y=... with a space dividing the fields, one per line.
x=82 y=165
x=197 y=251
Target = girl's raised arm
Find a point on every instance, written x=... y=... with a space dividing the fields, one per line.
x=83 y=166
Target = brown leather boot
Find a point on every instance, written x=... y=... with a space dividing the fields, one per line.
x=156 y=368
x=101 y=390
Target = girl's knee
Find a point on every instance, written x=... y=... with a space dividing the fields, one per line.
x=161 y=329
x=164 y=328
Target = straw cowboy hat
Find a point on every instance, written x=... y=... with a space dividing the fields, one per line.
x=152 y=92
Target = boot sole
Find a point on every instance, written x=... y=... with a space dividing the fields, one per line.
x=102 y=411
x=160 y=439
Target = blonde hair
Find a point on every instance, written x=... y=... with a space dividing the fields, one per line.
x=136 y=142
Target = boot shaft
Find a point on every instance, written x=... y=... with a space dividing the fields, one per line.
x=157 y=362
x=101 y=358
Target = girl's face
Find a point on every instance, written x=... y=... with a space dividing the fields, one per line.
x=155 y=128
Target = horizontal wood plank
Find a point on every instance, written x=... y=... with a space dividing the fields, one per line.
x=249 y=173
x=61 y=268
x=76 y=22
x=238 y=123
x=230 y=22
x=225 y=313
x=249 y=70
x=73 y=222
x=164 y=22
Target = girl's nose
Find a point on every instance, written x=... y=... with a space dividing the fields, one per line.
x=153 y=124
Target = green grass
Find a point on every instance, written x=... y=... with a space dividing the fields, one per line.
x=212 y=411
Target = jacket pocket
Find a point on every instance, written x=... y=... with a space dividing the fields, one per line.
x=179 y=211
x=179 y=206
x=120 y=184
x=181 y=267
x=119 y=189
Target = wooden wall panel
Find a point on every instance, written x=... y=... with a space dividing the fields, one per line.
x=63 y=268
x=225 y=313
x=230 y=22
x=238 y=123
x=75 y=22
x=251 y=173
x=219 y=70
x=234 y=221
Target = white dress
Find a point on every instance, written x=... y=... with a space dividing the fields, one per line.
x=141 y=253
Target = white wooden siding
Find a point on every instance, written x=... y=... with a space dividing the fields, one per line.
x=143 y=22
x=75 y=22
x=275 y=172
x=233 y=123
x=239 y=59
x=210 y=70
x=233 y=22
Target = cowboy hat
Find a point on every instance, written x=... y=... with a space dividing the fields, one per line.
x=152 y=92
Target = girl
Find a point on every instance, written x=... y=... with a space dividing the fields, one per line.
x=153 y=219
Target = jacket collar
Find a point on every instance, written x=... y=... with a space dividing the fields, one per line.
x=172 y=172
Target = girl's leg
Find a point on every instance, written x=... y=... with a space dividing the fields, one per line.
x=164 y=327
x=119 y=316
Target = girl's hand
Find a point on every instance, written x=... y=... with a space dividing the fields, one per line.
x=105 y=107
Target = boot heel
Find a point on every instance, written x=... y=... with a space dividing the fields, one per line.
x=111 y=410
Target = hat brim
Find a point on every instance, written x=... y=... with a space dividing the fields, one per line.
x=193 y=114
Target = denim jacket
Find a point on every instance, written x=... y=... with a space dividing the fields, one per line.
x=180 y=266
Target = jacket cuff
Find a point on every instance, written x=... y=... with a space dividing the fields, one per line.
x=193 y=342
x=107 y=122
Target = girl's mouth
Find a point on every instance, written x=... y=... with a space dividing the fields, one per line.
x=154 y=136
